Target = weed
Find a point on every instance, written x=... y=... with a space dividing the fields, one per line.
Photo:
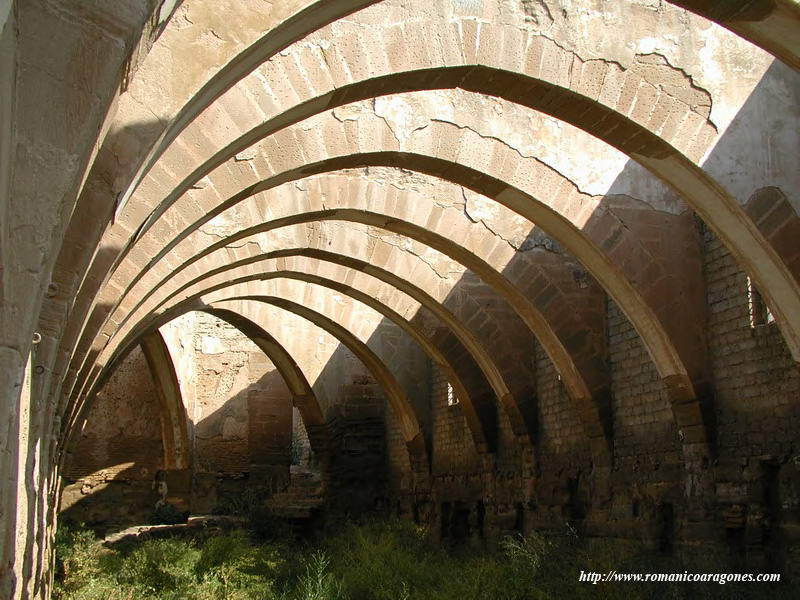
x=373 y=560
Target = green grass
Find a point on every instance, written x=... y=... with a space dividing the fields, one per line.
x=376 y=560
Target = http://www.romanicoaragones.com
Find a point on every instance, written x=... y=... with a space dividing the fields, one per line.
x=721 y=578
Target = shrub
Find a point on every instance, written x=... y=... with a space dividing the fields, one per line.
x=375 y=560
x=166 y=514
x=318 y=583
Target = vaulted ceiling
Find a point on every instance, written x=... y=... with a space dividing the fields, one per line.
x=555 y=154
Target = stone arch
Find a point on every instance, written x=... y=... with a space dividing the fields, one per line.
x=29 y=474
x=613 y=105
x=400 y=403
x=474 y=349
x=666 y=356
x=479 y=425
x=478 y=398
x=534 y=282
x=176 y=445
x=463 y=335
x=174 y=432
x=303 y=394
x=764 y=26
x=777 y=220
x=578 y=387
x=488 y=241
x=311 y=17
x=595 y=98
x=409 y=423
x=661 y=158
x=548 y=63
x=497 y=251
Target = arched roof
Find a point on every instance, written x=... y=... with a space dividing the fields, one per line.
x=264 y=121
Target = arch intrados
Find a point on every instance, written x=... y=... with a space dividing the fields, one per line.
x=717 y=207
x=478 y=427
x=577 y=387
x=486 y=184
x=434 y=78
x=174 y=429
x=781 y=290
x=769 y=25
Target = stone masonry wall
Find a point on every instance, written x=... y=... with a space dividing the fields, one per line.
x=240 y=411
x=110 y=470
x=749 y=511
x=757 y=487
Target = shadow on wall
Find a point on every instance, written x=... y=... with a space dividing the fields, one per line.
x=114 y=474
x=113 y=462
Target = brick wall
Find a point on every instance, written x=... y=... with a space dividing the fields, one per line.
x=643 y=424
x=453 y=447
x=757 y=385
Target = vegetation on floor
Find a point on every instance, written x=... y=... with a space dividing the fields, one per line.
x=377 y=560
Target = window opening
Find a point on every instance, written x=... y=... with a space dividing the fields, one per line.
x=452 y=399
x=757 y=308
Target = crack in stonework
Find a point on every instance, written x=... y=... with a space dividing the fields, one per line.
x=660 y=85
x=516 y=150
x=409 y=251
x=618 y=218
x=212 y=234
x=232 y=245
x=485 y=224
x=323 y=51
x=401 y=186
x=373 y=106
x=622 y=67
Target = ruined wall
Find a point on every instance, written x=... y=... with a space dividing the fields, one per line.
x=750 y=509
x=110 y=470
x=757 y=482
x=240 y=412
x=240 y=428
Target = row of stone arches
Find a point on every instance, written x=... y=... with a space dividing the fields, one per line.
x=461 y=79
x=289 y=116
x=680 y=394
